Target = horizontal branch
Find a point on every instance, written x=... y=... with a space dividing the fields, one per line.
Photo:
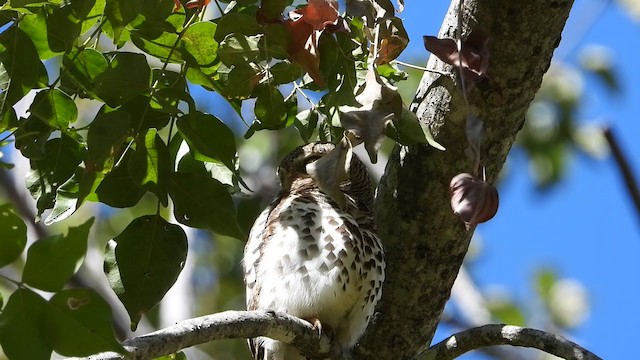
x=498 y=334
x=225 y=325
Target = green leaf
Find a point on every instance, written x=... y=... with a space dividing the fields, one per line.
x=202 y=202
x=80 y=69
x=63 y=155
x=67 y=199
x=149 y=166
x=285 y=72
x=118 y=189
x=35 y=26
x=408 y=130
x=239 y=81
x=275 y=42
x=236 y=23
x=32 y=3
x=272 y=9
x=31 y=137
x=54 y=108
x=143 y=262
x=270 y=108
x=51 y=261
x=142 y=115
x=105 y=137
x=63 y=29
x=120 y=13
x=237 y=48
x=199 y=44
x=209 y=138
x=128 y=75
x=21 y=332
x=78 y=323
x=306 y=122
x=20 y=59
x=88 y=12
x=13 y=235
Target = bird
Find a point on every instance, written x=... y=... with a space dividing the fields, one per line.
x=309 y=257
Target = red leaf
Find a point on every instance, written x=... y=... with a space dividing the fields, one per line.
x=193 y=4
x=303 y=48
x=318 y=13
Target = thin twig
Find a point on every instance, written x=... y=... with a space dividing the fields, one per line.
x=498 y=334
x=444 y=73
x=623 y=165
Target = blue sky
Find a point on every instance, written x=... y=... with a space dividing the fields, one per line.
x=585 y=227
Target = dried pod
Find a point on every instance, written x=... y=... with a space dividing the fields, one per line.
x=474 y=200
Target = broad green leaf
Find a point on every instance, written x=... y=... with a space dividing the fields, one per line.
x=78 y=323
x=63 y=29
x=120 y=13
x=272 y=9
x=9 y=116
x=270 y=108
x=105 y=138
x=80 y=68
x=142 y=115
x=408 y=130
x=118 y=189
x=238 y=48
x=171 y=89
x=159 y=46
x=35 y=26
x=306 y=123
x=21 y=333
x=62 y=157
x=275 y=42
x=149 y=165
x=32 y=3
x=51 y=261
x=198 y=42
x=285 y=72
x=88 y=12
x=67 y=199
x=202 y=202
x=54 y=108
x=236 y=23
x=143 y=262
x=31 y=137
x=20 y=59
x=13 y=235
x=209 y=138
x=128 y=75
x=391 y=73
x=239 y=81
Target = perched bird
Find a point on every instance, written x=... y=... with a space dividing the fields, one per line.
x=310 y=258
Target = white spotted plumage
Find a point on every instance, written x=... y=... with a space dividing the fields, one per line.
x=307 y=257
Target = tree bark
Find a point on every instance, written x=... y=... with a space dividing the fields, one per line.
x=425 y=243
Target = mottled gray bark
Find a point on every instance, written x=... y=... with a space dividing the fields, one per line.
x=424 y=242
x=498 y=334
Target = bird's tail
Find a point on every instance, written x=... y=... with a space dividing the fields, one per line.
x=268 y=349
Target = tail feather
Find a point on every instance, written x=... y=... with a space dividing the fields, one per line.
x=269 y=349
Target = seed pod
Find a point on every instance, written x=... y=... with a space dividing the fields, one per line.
x=474 y=200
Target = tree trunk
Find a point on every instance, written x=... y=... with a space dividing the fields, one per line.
x=425 y=243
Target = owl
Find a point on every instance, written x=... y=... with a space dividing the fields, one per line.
x=311 y=258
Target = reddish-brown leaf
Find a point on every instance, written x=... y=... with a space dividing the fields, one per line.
x=194 y=4
x=474 y=200
x=473 y=61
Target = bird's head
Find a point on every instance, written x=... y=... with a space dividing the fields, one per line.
x=294 y=165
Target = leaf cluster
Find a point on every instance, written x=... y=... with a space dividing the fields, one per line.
x=148 y=138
